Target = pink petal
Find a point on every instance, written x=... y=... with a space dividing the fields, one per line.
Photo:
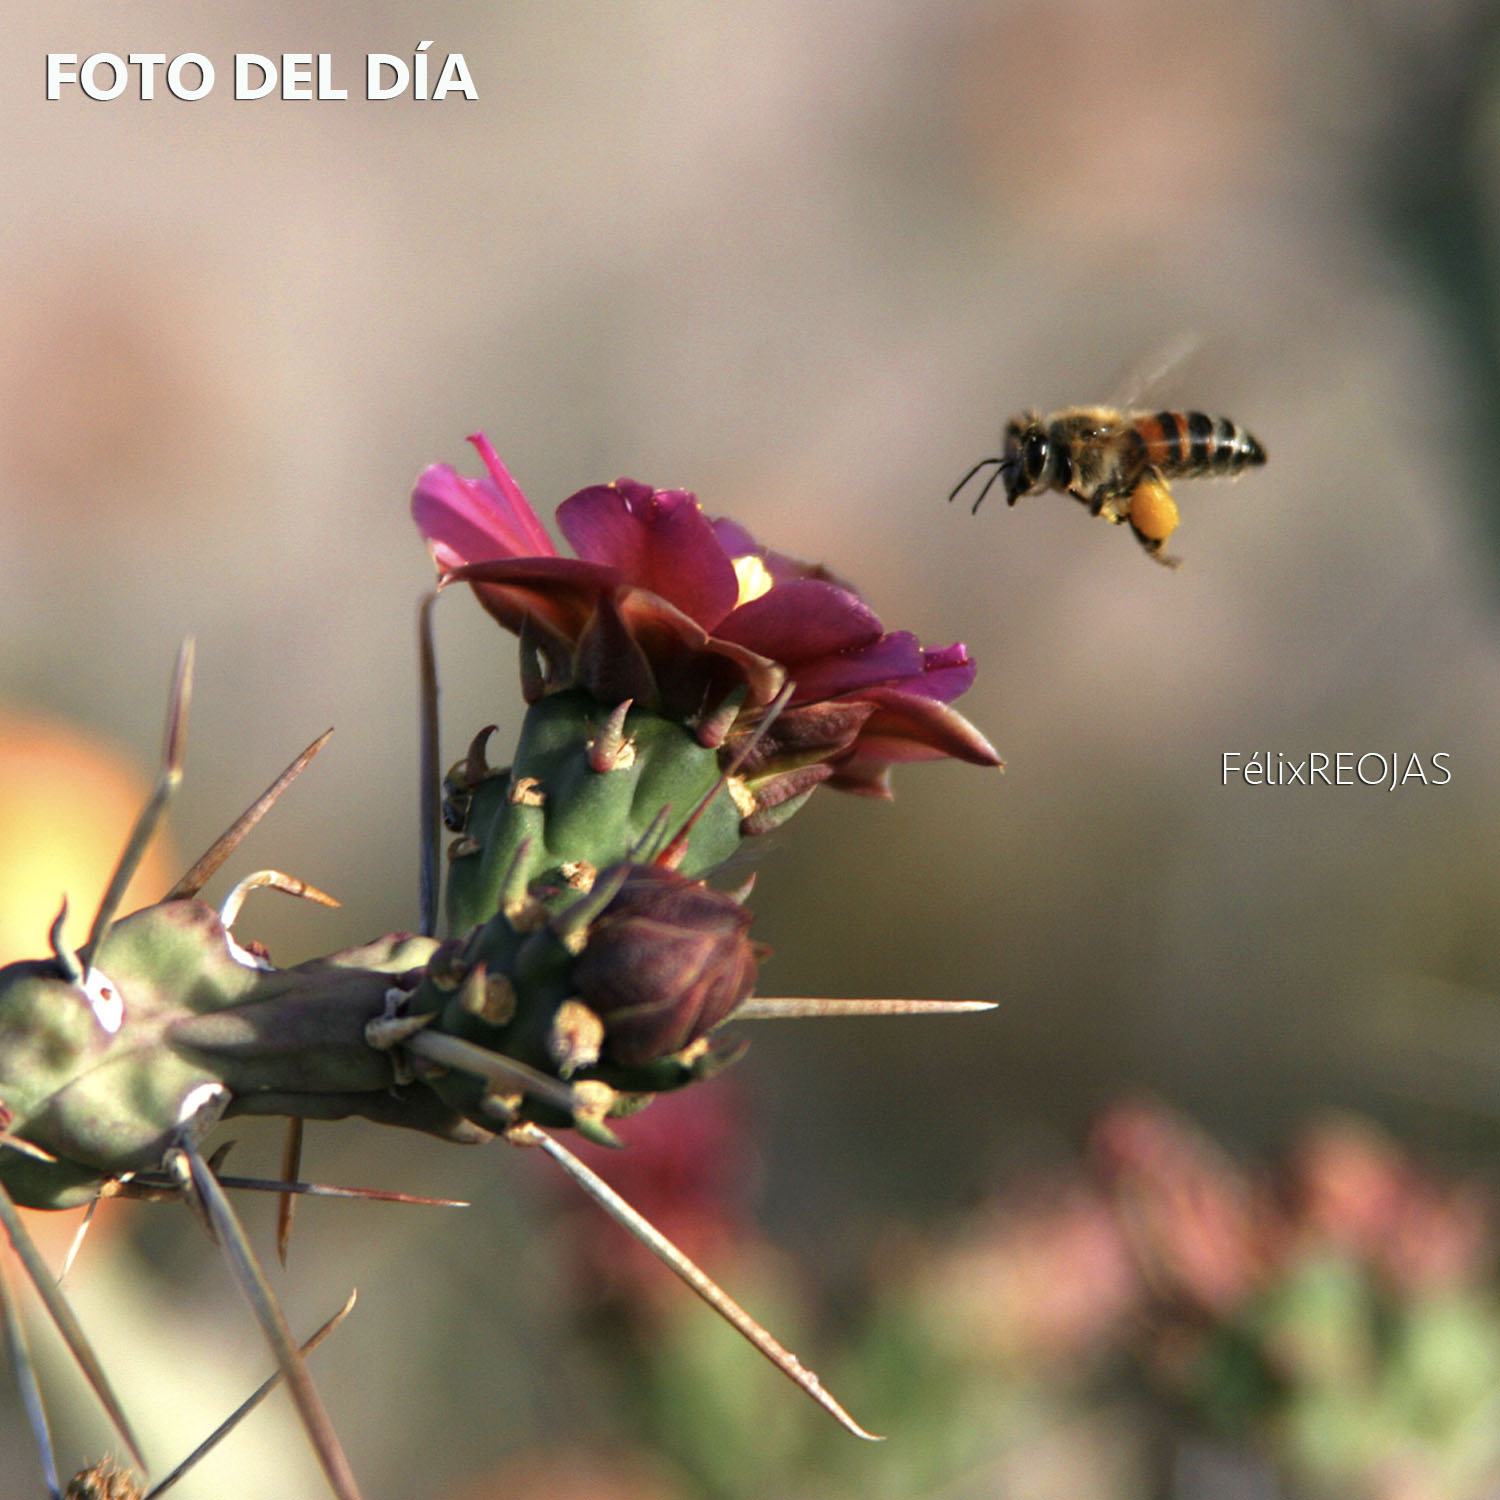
x=802 y=621
x=659 y=540
x=539 y=544
x=738 y=542
x=476 y=520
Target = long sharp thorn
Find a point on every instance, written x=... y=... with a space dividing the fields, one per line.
x=505 y=1072
x=708 y=1289
x=156 y=804
x=155 y=1188
x=25 y=1147
x=429 y=789
x=326 y=1190
x=81 y=1234
x=270 y=880
x=67 y=963
x=63 y=1319
x=31 y=1391
x=647 y=848
x=246 y=1407
x=251 y=1280
x=233 y=836
x=514 y=896
x=180 y=1170
x=291 y=1171
x=767 y=1008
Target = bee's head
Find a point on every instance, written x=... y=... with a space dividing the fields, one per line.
x=1027 y=457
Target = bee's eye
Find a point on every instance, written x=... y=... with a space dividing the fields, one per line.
x=1036 y=454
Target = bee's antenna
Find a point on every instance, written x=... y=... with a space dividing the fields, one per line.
x=989 y=484
x=982 y=464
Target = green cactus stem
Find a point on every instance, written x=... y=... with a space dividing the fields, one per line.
x=95 y=1071
x=587 y=785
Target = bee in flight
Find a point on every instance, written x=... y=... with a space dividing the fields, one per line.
x=1118 y=462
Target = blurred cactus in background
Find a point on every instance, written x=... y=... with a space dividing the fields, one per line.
x=1338 y=1314
x=1149 y=1319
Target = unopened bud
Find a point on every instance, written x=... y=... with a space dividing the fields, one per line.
x=667 y=960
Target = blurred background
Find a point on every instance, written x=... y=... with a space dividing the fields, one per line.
x=803 y=260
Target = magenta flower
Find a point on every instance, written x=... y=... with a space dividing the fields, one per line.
x=693 y=618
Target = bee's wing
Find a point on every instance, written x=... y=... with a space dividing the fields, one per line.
x=1135 y=385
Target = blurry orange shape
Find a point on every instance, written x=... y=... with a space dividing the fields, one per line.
x=127 y=346
x=1347 y=1183
x=67 y=804
x=1028 y=87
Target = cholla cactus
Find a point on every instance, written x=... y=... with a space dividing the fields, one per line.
x=671 y=650
x=688 y=690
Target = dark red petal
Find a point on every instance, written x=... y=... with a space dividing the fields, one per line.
x=863 y=776
x=778 y=789
x=657 y=540
x=910 y=726
x=895 y=660
x=947 y=672
x=559 y=590
x=800 y=733
x=693 y=669
x=610 y=662
x=890 y=659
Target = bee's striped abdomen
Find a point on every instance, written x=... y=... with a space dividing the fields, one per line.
x=1191 y=444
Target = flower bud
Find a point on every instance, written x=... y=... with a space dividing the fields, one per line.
x=665 y=963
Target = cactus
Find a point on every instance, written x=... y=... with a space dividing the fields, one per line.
x=587 y=786
x=97 y=1073
x=687 y=691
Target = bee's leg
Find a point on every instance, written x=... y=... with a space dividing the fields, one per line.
x=1105 y=502
x=1154 y=546
x=1094 y=499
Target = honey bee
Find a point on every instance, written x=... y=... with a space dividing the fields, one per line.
x=1118 y=463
